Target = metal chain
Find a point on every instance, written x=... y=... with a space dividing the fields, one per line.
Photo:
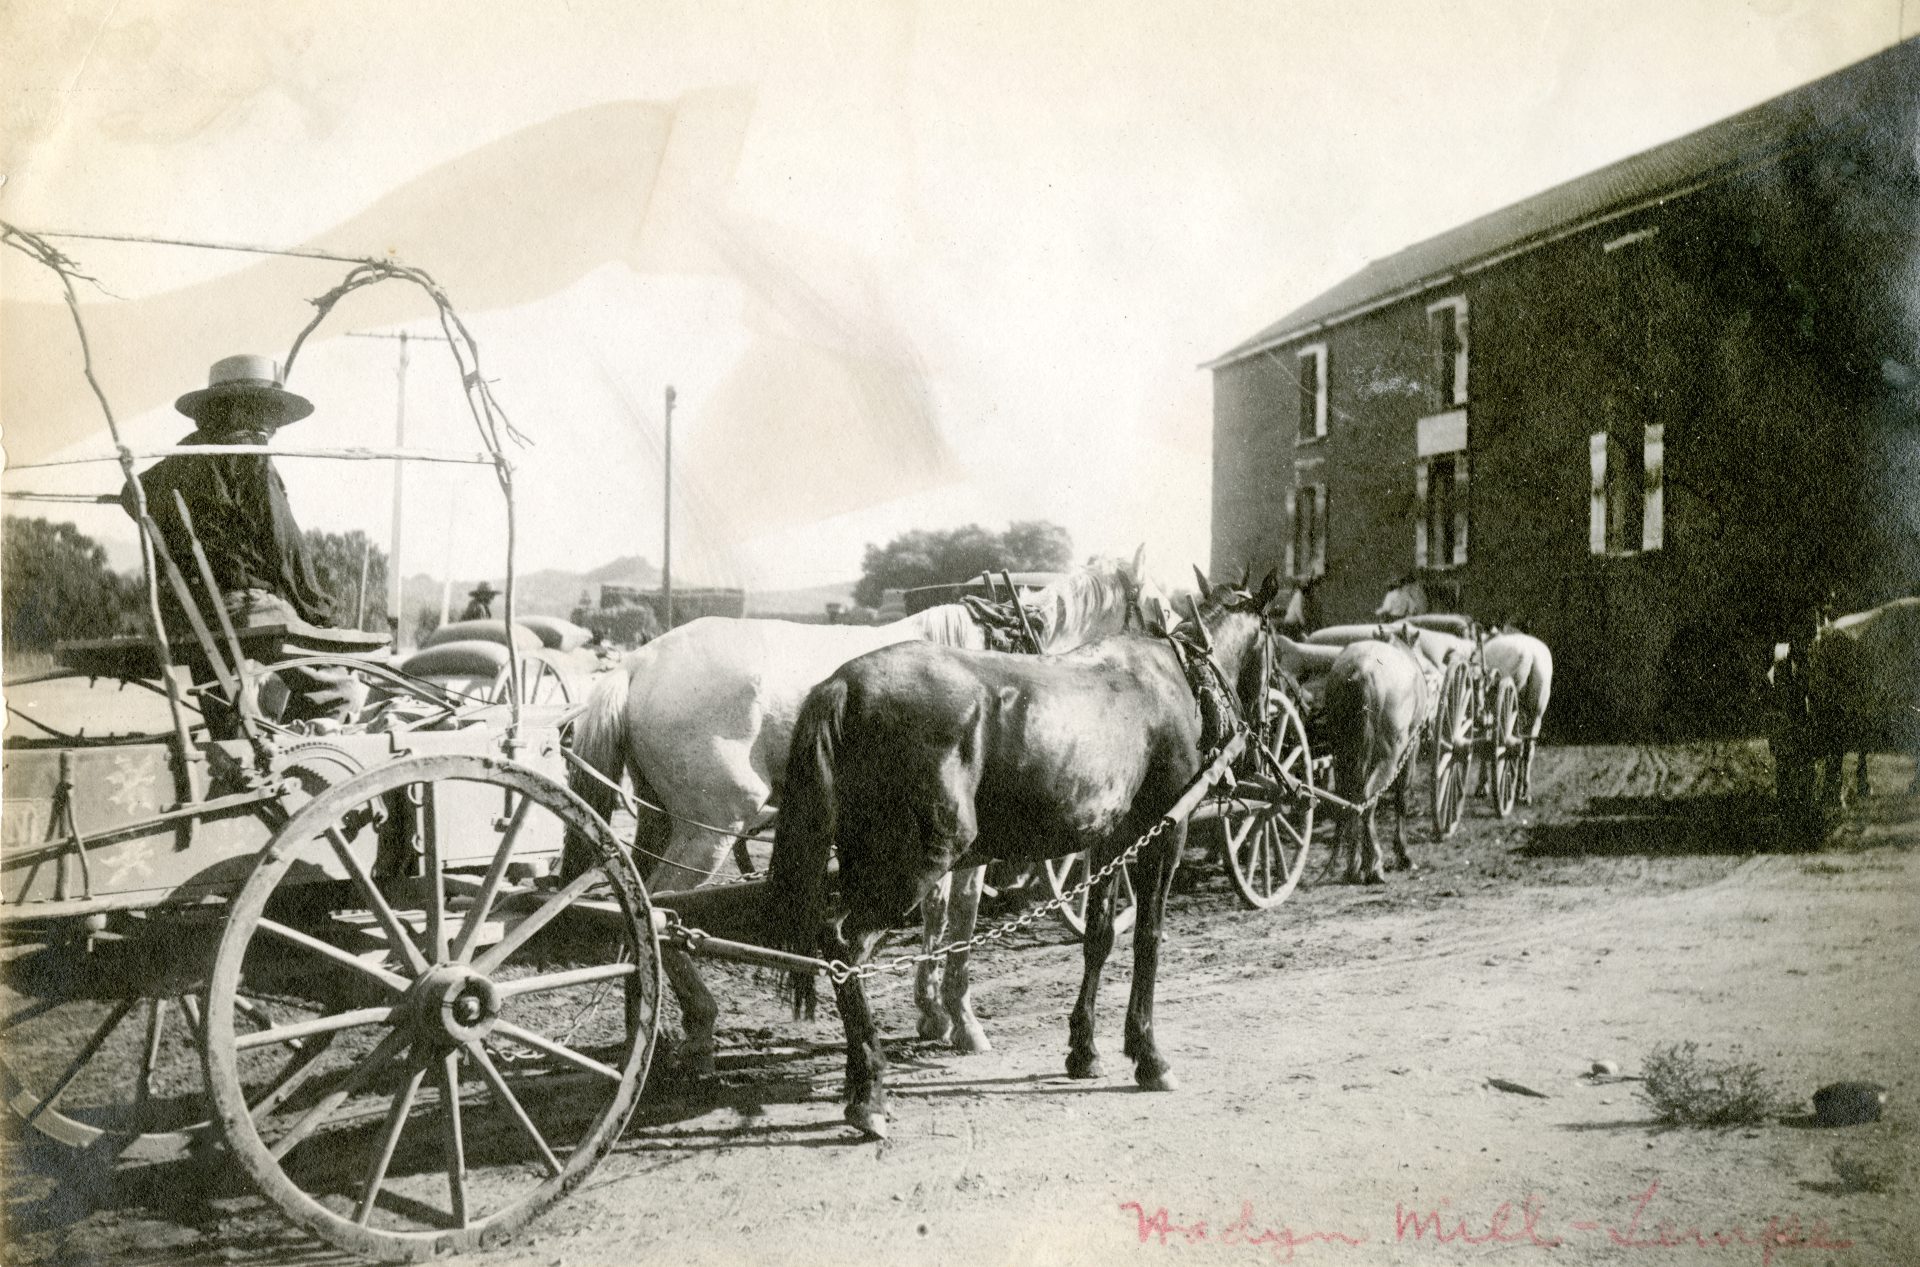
x=842 y=971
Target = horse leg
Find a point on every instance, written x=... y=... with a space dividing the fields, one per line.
x=698 y=1012
x=935 y=1022
x=1860 y=776
x=852 y=941
x=1526 y=770
x=1083 y=1054
x=1347 y=841
x=1401 y=862
x=1153 y=878
x=1376 y=861
x=963 y=912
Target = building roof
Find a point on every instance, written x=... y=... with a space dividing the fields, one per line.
x=1760 y=134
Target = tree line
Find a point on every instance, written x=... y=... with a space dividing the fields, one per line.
x=57 y=586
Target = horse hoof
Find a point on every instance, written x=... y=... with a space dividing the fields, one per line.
x=971 y=1040
x=867 y=1121
x=1162 y=1081
x=1083 y=1067
x=1376 y=877
x=696 y=1059
x=935 y=1031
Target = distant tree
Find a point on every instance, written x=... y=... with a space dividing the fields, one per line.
x=55 y=585
x=425 y=621
x=337 y=557
x=1035 y=545
x=923 y=557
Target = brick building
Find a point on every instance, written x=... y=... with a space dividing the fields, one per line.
x=1647 y=413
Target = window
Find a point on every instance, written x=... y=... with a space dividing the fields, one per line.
x=1313 y=392
x=1307 y=546
x=1627 y=495
x=1447 y=325
x=1440 y=490
x=1440 y=535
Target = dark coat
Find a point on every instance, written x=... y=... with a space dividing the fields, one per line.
x=243 y=522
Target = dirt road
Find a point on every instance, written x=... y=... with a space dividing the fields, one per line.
x=1334 y=1054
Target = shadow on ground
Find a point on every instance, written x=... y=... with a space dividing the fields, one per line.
x=1723 y=823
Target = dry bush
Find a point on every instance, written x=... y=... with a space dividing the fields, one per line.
x=1686 y=1090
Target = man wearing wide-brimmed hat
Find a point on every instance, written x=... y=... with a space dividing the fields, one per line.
x=480 y=602
x=240 y=515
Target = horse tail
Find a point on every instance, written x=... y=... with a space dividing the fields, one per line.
x=600 y=743
x=803 y=839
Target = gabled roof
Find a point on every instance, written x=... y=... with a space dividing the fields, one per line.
x=1713 y=153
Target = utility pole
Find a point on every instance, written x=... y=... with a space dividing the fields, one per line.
x=394 y=576
x=666 y=530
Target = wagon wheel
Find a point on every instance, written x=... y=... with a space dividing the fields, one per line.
x=541 y=682
x=476 y=1031
x=1507 y=754
x=1265 y=847
x=1452 y=749
x=102 y=1035
x=1063 y=874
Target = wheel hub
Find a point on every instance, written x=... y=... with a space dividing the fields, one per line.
x=453 y=1003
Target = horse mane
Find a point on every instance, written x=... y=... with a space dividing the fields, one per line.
x=1071 y=607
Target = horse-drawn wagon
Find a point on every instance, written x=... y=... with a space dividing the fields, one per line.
x=394 y=964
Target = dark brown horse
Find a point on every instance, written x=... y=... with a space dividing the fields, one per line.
x=916 y=759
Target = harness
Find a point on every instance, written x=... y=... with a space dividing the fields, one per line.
x=1221 y=717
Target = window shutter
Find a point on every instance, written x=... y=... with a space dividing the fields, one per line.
x=1320 y=394
x=1653 y=528
x=1320 y=532
x=1460 y=355
x=1597 y=496
x=1293 y=533
x=1420 y=517
x=1460 y=502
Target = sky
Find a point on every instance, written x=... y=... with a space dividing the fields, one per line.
x=906 y=265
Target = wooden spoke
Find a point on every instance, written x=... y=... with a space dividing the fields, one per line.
x=356 y=1078
x=545 y=914
x=40 y=1007
x=346 y=959
x=87 y=1053
x=560 y=980
x=559 y=1051
x=398 y=933
x=296 y=1075
x=455 y=1141
x=150 y=1056
x=389 y=1140
x=437 y=933
x=512 y=1104
x=318 y=1025
x=490 y=887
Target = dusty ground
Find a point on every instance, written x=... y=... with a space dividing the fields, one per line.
x=1334 y=1052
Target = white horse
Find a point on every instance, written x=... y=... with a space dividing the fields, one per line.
x=1521 y=658
x=702 y=718
x=1527 y=662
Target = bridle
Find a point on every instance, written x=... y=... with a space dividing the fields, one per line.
x=1194 y=654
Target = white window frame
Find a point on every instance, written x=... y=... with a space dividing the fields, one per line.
x=1602 y=537
x=1316 y=564
x=1438 y=437
x=1458 y=305
x=1318 y=353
